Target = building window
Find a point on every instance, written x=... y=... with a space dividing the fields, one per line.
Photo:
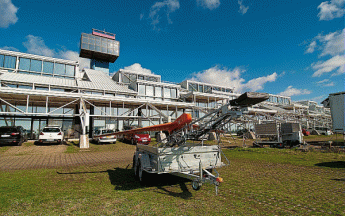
x=2 y=57
x=125 y=78
x=173 y=93
x=57 y=89
x=207 y=89
x=200 y=88
x=140 y=77
x=69 y=70
x=59 y=69
x=48 y=67
x=24 y=87
x=24 y=64
x=141 y=89
x=36 y=65
x=158 y=91
x=149 y=90
x=42 y=88
x=10 y=62
x=192 y=87
x=167 y=93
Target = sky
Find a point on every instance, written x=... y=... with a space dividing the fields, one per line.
x=292 y=48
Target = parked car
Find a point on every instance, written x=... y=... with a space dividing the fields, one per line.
x=51 y=134
x=104 y=139
x=323 y=131
x=12 y=135
x=305 y=132
x=136 y=138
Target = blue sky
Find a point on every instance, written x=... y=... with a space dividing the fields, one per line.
x=293 y=48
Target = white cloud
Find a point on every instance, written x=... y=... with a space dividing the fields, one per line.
x=9 y=48
x=243 y=9
x=331 y=10
x=74 y=56
x=290 y=91
x=330 y=44
x=325 y=83
x=36 y=45
x=7 y=13
x=335 y=63
x=311 y=47
x=210 y=4
x=232 y=79
x=318 y=99
x=138 y=68
x=156 y=11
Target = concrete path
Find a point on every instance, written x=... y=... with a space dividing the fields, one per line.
x=53 y=156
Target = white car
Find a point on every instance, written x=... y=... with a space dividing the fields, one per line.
x=51 y=134
x=104 y=139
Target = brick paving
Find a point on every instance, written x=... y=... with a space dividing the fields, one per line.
x=35 y=157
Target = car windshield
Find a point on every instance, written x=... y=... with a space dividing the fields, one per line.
x=107 y=131
x=56 y=130
x=7 y=129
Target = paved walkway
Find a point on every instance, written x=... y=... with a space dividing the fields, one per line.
x=53 y=156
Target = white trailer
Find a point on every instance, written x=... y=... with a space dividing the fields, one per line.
x=192 y=160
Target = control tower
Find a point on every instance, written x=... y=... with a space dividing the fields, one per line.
x=101 y=47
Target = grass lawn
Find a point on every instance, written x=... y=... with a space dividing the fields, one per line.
x=257 y=182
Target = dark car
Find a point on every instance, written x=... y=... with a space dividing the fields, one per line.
x=12 y=135
x=241 y=132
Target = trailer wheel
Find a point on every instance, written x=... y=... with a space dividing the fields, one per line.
x=196 y=185
x=135 y=168
x=142 y=174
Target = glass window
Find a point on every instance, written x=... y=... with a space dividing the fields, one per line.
x=42 y=88
x=158 y=91
x=166 y=93
x=97 y=93
x=141 y=89
x=2 y=60
x=173 y=93
x=193 y=87
x=149 y=90
x=69 y=70
x=24 y=64
x=125 y=78
x=207 y=89
x=24 y=87
x=48 y=67
x=57 y=89
x=133 y=77
x=36 y=65
x=59 y=69
x=140 y=77
x=200 y=88
x=10 y=62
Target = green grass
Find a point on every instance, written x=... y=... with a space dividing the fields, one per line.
x=257 y=182
x=4 y=149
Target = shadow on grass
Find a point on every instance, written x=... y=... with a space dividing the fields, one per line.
x=343 y=179
x=333 y=164
x=124 y=179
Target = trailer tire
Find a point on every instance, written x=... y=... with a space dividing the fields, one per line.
x=142 y=174
x=196 y=185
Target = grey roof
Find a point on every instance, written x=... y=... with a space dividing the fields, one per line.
x=101 y=81
x=37 y=79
